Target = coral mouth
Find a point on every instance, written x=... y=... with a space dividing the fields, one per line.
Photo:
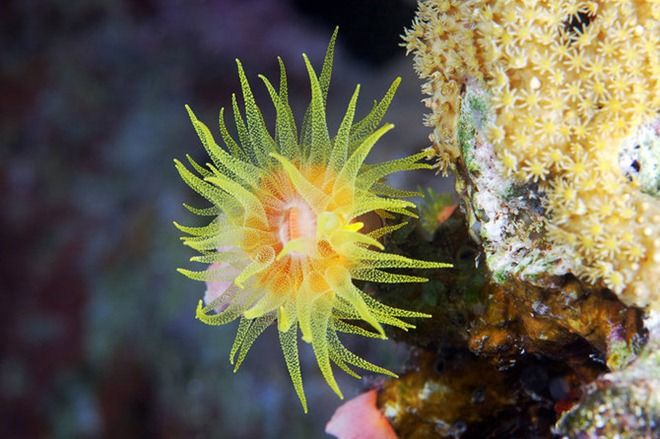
x=297 y=221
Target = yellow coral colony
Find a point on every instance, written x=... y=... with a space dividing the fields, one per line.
x=569 y=82
x=288 y=234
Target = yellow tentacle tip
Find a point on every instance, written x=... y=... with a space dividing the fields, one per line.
x=190 y=113
x=354 y=227
x=283 y=321
x=199 y=312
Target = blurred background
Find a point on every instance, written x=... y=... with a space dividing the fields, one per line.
x=98 y=336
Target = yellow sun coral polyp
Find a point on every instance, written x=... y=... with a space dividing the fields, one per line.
x=287 y=237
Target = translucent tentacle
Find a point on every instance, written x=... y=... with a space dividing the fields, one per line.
x=257 y=327
x=228 y=315
x=284 y=131
x=349 y=357
x=289 y=345
x=262 y=142
x=340 y=148
x=320 y=139
x=225 y=162
x=376 y=172
x=348 y=328
x=386 y=230
x=375 y=275
x=289 y=120
x=230 y=143
x=354 y=162
x=323 y=309
x=367 y=125
x=324 y=83
x=207 y=211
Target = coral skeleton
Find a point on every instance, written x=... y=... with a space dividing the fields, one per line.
x=571 y=95
x=290 y=227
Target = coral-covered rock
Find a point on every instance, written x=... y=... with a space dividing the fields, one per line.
x=624 y=404
x=548 y=113
x=455 y=394
x=521 y=318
